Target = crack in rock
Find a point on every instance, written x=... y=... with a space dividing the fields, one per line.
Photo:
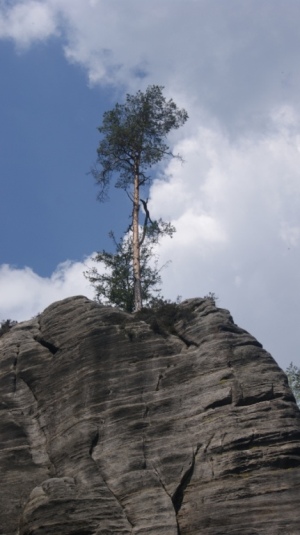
x=34 y=429
x=144 y=438
x=48 y=345
x=15 y=363
x=186 y=341
x=160 y=377
x=93 y=445
x=120 y=504
x=144 y=453
x=168 y=494
x=211 y=462
x=178 y=495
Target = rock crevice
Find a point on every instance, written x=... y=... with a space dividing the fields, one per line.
x=178 y=495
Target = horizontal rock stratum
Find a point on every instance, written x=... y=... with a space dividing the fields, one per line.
x=114 y=423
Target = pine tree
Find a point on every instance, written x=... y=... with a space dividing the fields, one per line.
x=115 y=285
x=133 y=142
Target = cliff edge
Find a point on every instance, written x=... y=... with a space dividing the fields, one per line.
x=114 y=423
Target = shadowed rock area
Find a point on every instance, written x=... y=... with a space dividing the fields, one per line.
x=112 y=423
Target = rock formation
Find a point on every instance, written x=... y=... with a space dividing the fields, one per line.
x=114 y=423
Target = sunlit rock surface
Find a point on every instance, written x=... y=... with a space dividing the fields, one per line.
x=113 y=423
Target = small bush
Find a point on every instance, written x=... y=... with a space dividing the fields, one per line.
x=6 y=325
x=212 y=297
x=163 y=315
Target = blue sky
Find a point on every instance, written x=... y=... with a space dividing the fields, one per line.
x=235 y=201
x=49 y=140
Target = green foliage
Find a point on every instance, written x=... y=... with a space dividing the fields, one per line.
x=162 y=315
x=134 y=138
x=6 y=325
x=293 y=375
x=212 y=296
x=115 y=286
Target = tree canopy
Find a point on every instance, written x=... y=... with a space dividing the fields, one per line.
x=134 y=139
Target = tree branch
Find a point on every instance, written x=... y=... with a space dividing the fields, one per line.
x=147 y=218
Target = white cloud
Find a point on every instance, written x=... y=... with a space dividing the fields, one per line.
x=235 y=62
x=290 y=234
x=27 y=22
x=25 y=293
x=236 y=209
x=252 y=183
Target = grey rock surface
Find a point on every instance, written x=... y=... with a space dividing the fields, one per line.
x=113 y=423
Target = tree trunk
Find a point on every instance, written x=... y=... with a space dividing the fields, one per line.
x=136 y=245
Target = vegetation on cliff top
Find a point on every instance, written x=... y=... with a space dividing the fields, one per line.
x=133 y=143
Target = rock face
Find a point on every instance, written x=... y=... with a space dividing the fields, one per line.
x=113 y=423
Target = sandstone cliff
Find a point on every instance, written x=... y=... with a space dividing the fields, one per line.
x=120 y=424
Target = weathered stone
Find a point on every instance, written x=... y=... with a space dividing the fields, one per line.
x=113 y=423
